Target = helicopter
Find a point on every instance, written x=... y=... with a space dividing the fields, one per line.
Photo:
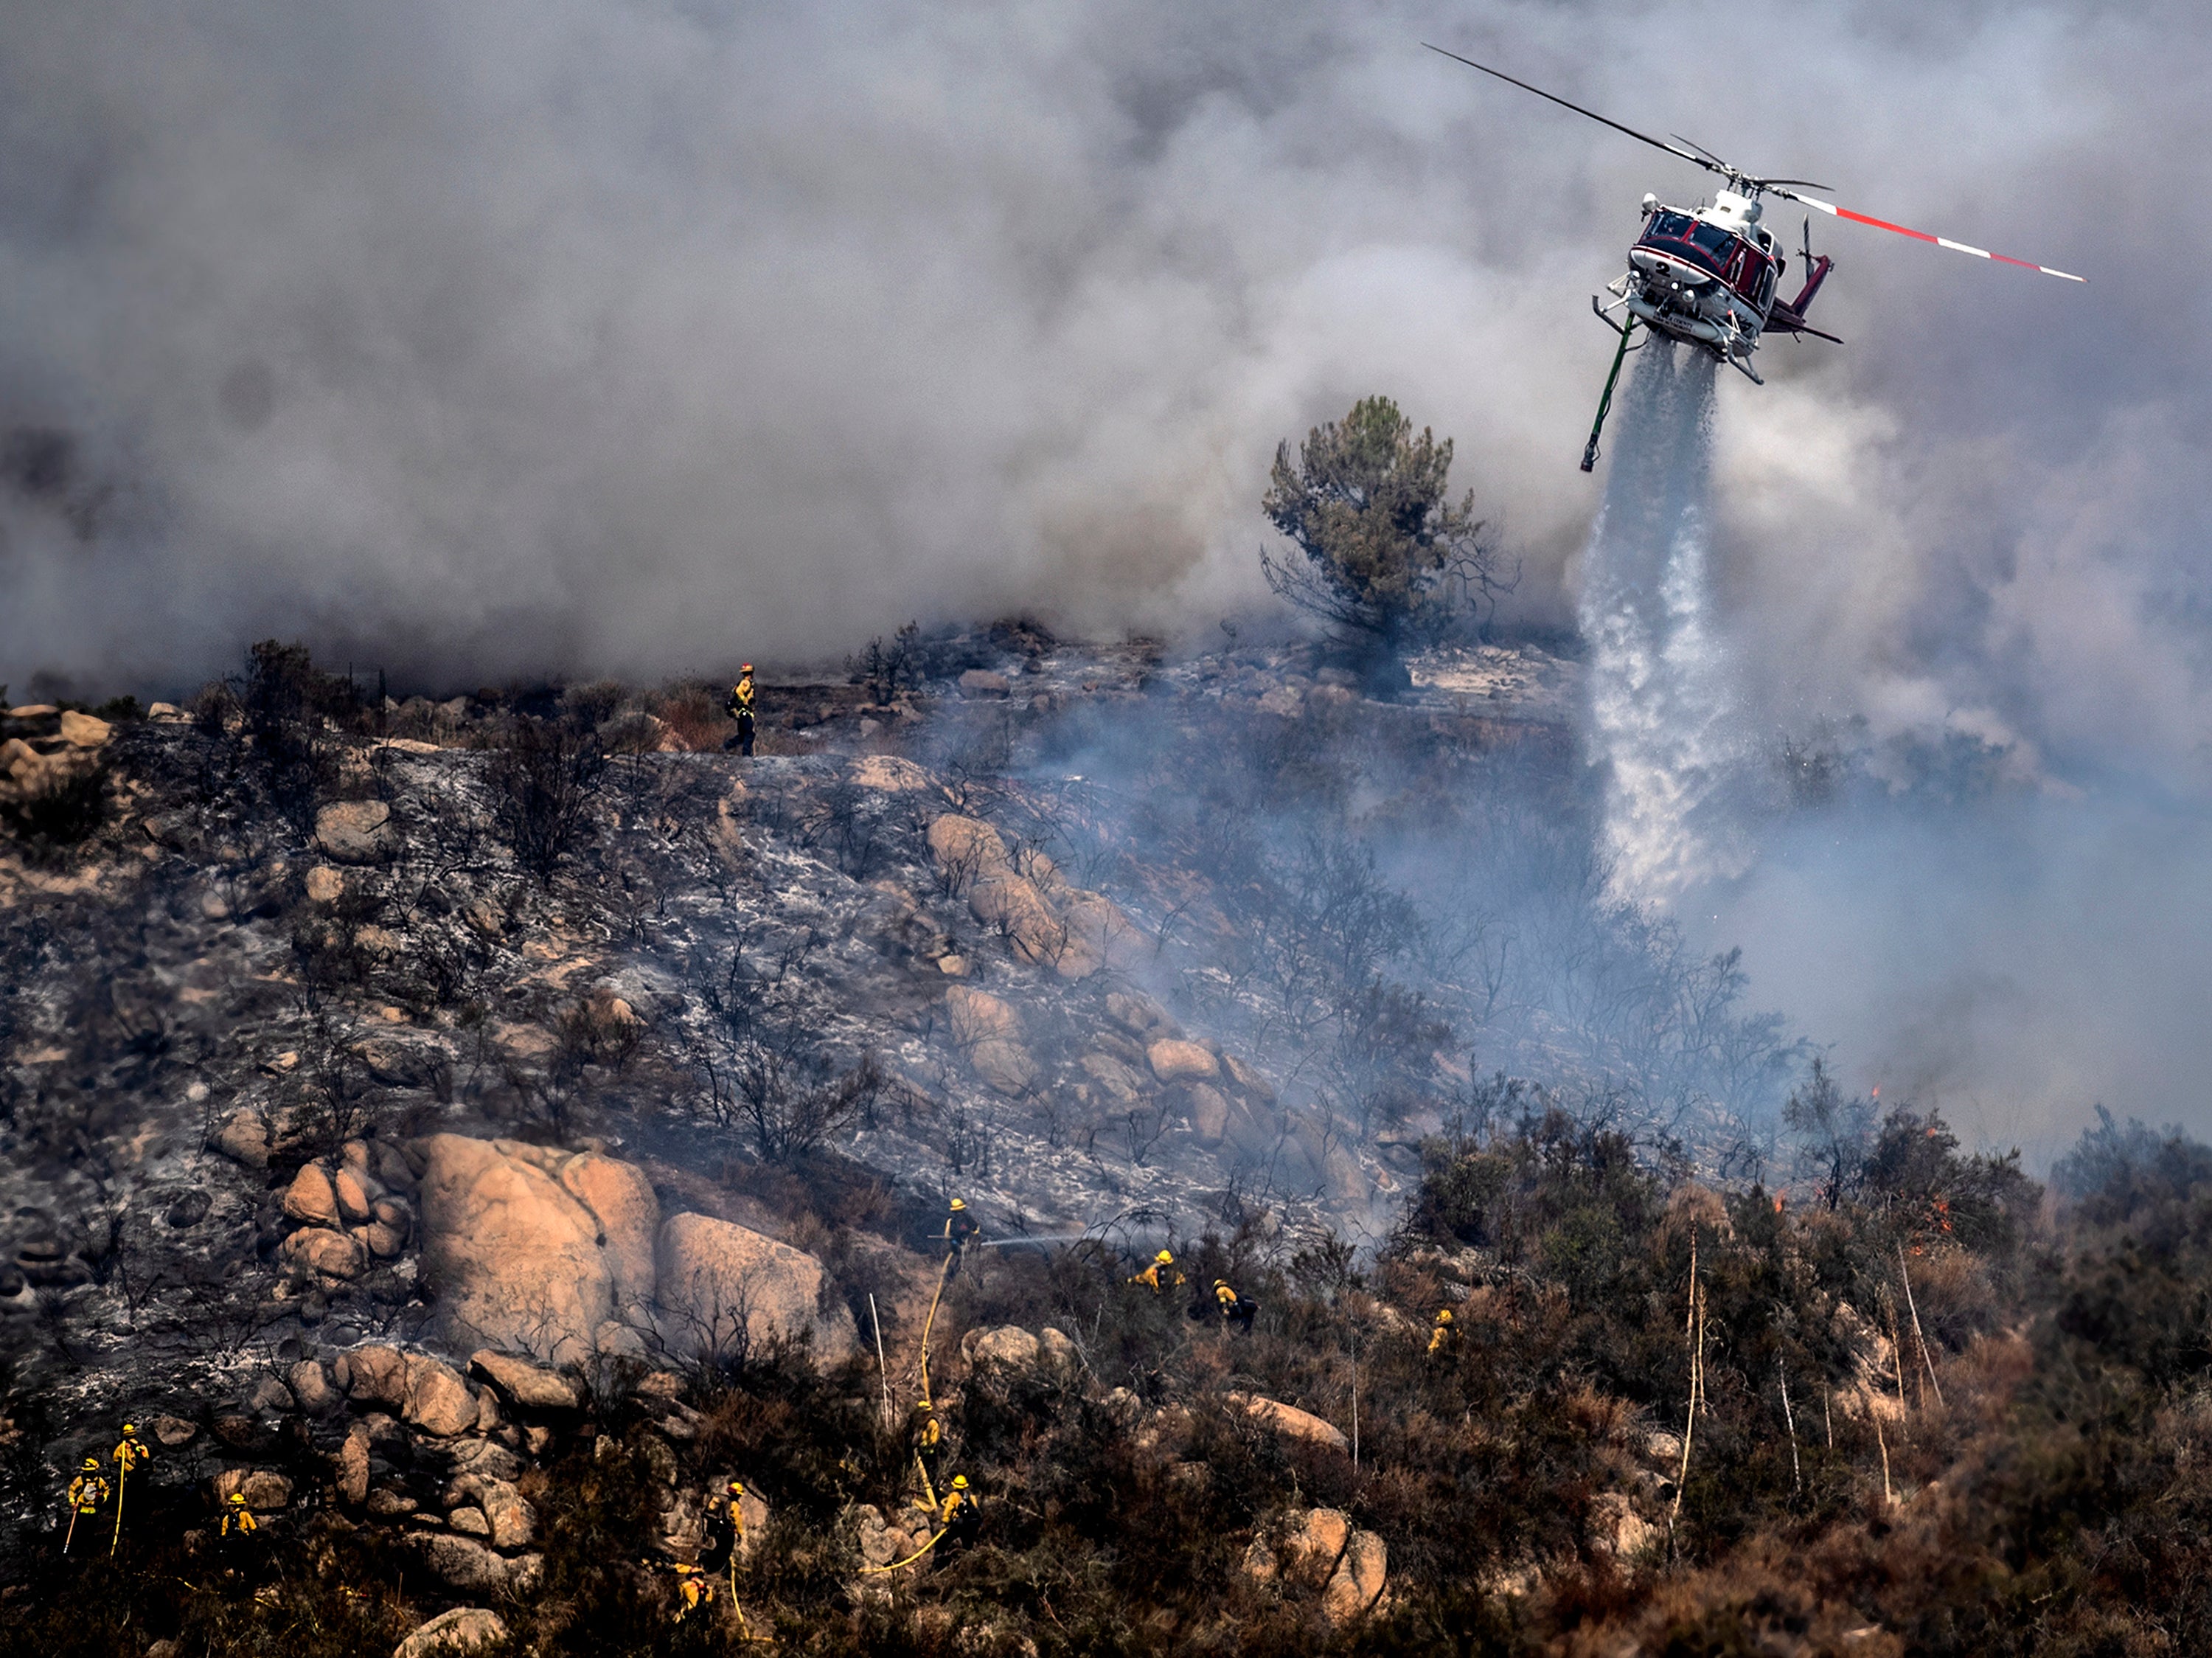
x=1707 y=276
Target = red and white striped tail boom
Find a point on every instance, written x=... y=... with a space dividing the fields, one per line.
x=1834 y=211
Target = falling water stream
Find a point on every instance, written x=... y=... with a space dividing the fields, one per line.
x=1664 y=720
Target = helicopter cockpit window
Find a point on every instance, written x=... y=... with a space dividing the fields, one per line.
x=1714 y=239
x=1707 y=246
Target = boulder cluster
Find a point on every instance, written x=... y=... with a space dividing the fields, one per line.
x=43 y=746
x=1321 y=1549
x=1023 y=897
x=564 y=1255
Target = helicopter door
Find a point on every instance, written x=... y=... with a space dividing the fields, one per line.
x=1751 y=274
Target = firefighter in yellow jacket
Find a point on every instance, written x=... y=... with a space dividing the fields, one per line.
x=740 y=708
x=237 y=1519
x=86 y=1493
x=1161 y=1275
x=131 y=1453
x=929 y=1447
x=1443 y=1333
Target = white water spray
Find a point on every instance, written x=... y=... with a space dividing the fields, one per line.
x=1664 y=717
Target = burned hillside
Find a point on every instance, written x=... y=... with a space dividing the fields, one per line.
x=473 y=1132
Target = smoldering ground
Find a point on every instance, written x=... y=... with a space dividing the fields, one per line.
x=479 y=342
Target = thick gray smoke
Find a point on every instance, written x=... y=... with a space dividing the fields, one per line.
x=475 y=340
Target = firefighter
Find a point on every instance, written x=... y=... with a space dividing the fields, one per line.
x=1234 y=1309
x=960 y=1225
x=1160 y=1275
x=928 y=1446
x=725 y=1533
x=740 y=708
x=86 y=1493
x=131 y=1451
x=237 y=1517
x=961 y=1228
x=956 y=1516
x=1442 y=1333
x=129 y=1454
x=693 y=1588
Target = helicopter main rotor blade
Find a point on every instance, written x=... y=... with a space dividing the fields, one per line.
x=1690 y=156
x=1719 y=166
x=1836 y=212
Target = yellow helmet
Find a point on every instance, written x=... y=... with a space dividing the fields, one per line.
x=960 y=1203
x=1443 y=1315
x=128 y=1430
x=924 y=1404
x=1164 y=1259
x=959 y=1482
x=92 y=1465
x=237 y=1499
x=1221 y=1283
x=738 y=1486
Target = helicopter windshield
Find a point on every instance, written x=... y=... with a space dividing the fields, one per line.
x=1691 y=241
x=1713 y=248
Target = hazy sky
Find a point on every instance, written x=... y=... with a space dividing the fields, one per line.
x=479 y=339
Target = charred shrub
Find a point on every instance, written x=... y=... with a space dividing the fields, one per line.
x=285 y=702
x=543 y=784
x=883 y=668
x=766 y=1066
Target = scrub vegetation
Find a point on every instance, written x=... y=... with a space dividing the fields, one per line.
x=1320 y=992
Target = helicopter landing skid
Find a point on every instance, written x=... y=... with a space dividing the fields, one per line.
x=1605 y=403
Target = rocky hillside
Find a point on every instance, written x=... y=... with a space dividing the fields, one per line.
x=472 y=1133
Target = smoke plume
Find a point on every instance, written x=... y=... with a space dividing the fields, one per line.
x=476 y=340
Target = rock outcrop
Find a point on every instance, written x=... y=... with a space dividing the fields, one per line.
x=1321 y=1549
x=1288 y=1419
x=1008 y=1348
x=1044 y=921
x=427 y=1391
x=989 y=1033
x=356 y=832
x=462 y=1629
x=526 y=1261
x=525 y=1385
x=723 y=1286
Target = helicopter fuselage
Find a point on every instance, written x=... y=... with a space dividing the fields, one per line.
x=1705 y=278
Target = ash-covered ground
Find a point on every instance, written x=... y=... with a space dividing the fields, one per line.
x=1107 y=944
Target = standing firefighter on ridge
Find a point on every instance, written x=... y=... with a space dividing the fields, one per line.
x=740 y=708
x=238 y=1519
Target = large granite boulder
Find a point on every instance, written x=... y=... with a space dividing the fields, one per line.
x=462 y=1629
x=723 y=1286
x=356 y=832
x=527 y=1386
x=1289 y=1421
x=425 y=1390
x=533 y=1250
